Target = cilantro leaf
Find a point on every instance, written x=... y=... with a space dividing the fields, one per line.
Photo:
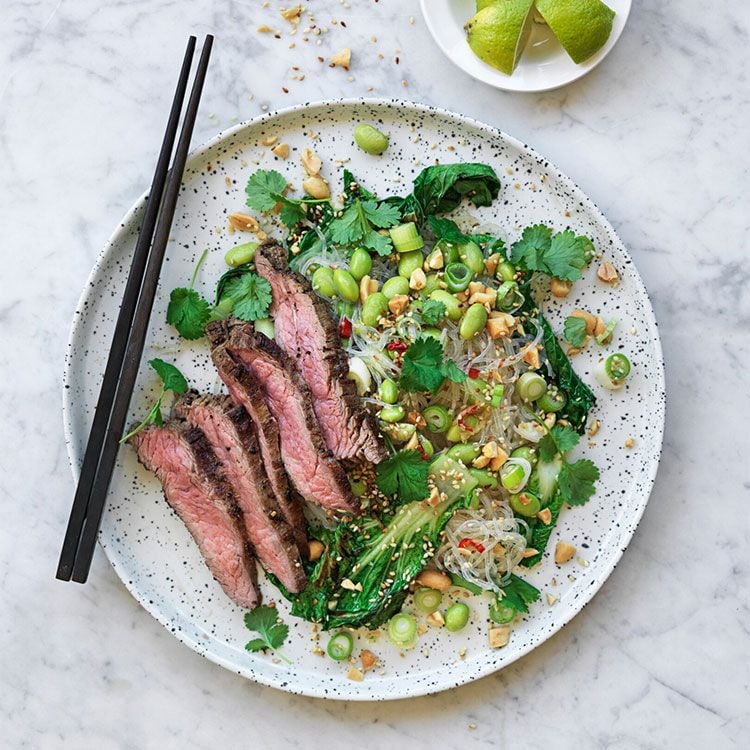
x=447 y=230
x=265 y=189
x=381 y=215
x=356 y=225
x=251 y=295
x=518 y=594
x=171 y=380
x=576 y=481
x=575 y=330
x=264 y=620
x=379 y=243
x=292 y=212
x=171 y=377
x=530 y=249
x=420 y=370
x=188 y=312
x=558 y=440
x=566 y=257
x=404 y=475
x=451 y=371
x=433 y=311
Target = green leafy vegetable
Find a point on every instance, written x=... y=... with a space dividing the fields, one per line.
x=433 y=311
x=187 y=311
x=575 y=330
x=405 y=476
x=265 y=189
x=356 y=225
x=447 y=230
x=576 y=481
x=423 y=368
x=171 y=380
x=264 y=620
x=518 y=593
x=250 y=295
x=541 y=532
x=558 y=440
x=563 y=255
x=440 y=188
x=353 y=189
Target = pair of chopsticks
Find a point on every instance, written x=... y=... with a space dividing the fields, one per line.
x=131 y=328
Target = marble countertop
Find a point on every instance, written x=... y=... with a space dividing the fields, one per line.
x=657 y=136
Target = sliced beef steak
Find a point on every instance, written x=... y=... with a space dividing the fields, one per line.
x=316 y=474
x=195 y=487
x=306 y=331
x=230 y=432
x=246 y=392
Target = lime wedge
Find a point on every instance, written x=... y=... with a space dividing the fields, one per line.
x=498 y=33
x=582 y=26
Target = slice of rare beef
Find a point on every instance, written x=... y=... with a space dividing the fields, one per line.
x=195 y=487
x=246 y=392
x=316 y=474
x=229 y=430
x=306 y=331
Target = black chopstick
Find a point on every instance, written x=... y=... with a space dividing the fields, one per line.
x=83 y=526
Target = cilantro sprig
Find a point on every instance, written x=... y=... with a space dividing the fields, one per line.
x=432 y=312
x=359 y=222
x=264 y=621
x=574 y=330
x=172 y=380
x=563 y=254
x=187 y=311
x=250 y=295
x=423 y=368
x=404 y=475
x=265 y=190
x=576 y=480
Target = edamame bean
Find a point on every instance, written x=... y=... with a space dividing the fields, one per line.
x=450 y=252
x=427 y=446
x=370 y=139
x=345 y=285
x=375 y=306
x=393 y=413
x=471 y=255
x=505 y=271
x=388 y=391
x=473 y=321
x=454 y=433
x=525 y=504
x=360 y=264
x=452 y=306
x=359 y=487
x=409 y=262
x=433 y=333
x=322 y=282
x=525 y=452
x=431 y=283
x=464 y=452
x=394 y=286
x=484 y=477
x=456 y=617
x=240 y=254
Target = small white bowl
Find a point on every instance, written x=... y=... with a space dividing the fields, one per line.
x=544 y=64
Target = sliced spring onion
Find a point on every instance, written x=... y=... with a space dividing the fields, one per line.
x=509 y=298
x=451 y=477
x=497 y=396
x=428 y=600
x=515 y=473
x=340 y=646
x=437 y=417
x=606 y=335
x=402 y=630
x=530 y=431
x=405 y=237
x=531 y=386
x=553 y=400
x=457 y=277
x=360 y=374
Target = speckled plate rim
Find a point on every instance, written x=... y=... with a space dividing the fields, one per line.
x=499 y=80
x=446 y=681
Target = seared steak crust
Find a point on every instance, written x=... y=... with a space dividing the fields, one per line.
x=306 y=331
x=196 y=489
x=229 y=430
x=316 y=474
x=246 y=392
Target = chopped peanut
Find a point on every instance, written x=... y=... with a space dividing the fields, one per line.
x=531 y=357
x=500 y=324
x=560 y=287
x=417 y=280
x=397 y=304
x=500 y=636
x=436 y=619
x=355 y=674
x=486 y=298
x=435 y=260
x=434 y=498
x=608 y=273
x=367 y=286
x=292 y=14
x=481 y=461
x=545 y=516
x=476 y=286
x=434 y=579
x=564 y=552
x=490 y=449
x=595 y=427
x=281 y=150
x=368 y=659
x=316 y=187
x=630 y=442
x=243 y=222
x=530 y=552
x=316 y=550
x=342 y=59
x=269 y=140
x=311 y=162
x=588 y=317
x=491 y=264
x=600 y=327
x=415 y=418
x=497 y=462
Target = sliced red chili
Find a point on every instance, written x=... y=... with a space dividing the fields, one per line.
x=473 y=373
x=397 y=346
x=467 y=543
x=462 y=417
x=345 y=328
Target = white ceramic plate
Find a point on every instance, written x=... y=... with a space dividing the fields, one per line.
x=149 y=547
x=544 y=64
